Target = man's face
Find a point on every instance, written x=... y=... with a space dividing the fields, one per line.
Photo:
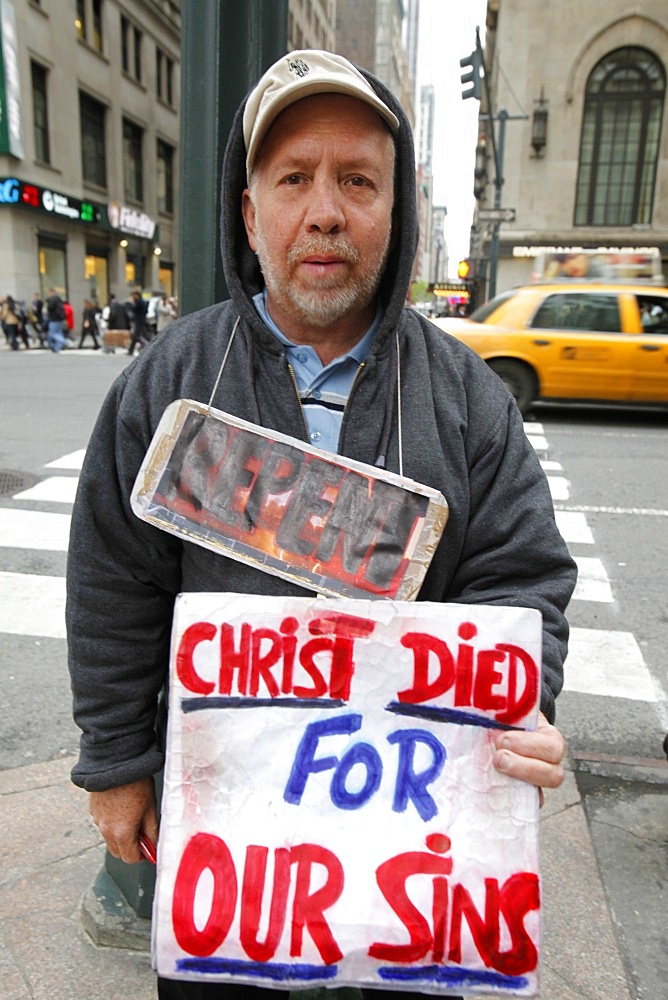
x=319 y=213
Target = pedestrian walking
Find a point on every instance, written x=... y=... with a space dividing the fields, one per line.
x=140 y=332
x=166 y=312
x=14 y=323
x=55 y=311
x=89 y=326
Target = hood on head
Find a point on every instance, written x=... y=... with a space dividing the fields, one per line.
x=242 y=270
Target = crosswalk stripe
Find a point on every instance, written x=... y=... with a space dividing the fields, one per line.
x=593 y=582
x=537 y=442
x=54 y=489
x=608 y=663
x=72 y=461
x=32 y=605
x=558 y=487
x=34 y=529
x=573 y=527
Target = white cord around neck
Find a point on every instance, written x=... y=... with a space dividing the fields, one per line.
x=399 y=421
x=224 y=361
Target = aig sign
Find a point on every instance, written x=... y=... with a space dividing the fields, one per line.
x=9 y=191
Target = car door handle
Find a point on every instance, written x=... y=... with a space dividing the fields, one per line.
x=650 y=347
x=542 y=343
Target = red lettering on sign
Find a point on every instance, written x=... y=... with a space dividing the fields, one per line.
x=502 y=681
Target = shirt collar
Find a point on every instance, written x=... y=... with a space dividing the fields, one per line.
x=358 y=352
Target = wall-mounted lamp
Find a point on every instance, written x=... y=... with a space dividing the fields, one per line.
x=539 y=125
x=123 y=243
x=157 y=251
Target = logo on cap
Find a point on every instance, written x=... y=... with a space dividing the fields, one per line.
x=298 y=66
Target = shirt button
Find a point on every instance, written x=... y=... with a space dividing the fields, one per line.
x=315 y=435
x=301 y=357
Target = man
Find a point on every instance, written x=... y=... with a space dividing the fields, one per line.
x=319 y=234
x=55 y=311
x=140 y=332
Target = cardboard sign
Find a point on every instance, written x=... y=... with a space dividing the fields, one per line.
x=335 y=526
x=331 y=814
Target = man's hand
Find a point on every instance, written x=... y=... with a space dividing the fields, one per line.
x=122 y=813
x=535 y=756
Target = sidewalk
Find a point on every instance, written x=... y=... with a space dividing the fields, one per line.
x=51 y=855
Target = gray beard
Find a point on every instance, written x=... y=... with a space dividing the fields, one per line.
x=322 y=307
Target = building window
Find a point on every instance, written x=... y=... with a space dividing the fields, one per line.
x=93 y=152
x=125 y=44
x=89 y=29
x=619 y=147
x=132 y=161
x=165 y=177
x=137 y=45
x=96 y=40
x=80 y=21
x=40 y=113
x=164 y=72
x=131 y=43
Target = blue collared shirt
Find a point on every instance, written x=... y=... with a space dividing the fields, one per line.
x=323 y=389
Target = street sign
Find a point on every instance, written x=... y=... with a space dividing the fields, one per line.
x=496 y=215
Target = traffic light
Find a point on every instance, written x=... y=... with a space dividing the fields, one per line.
x=475 y=74
x=465 y=269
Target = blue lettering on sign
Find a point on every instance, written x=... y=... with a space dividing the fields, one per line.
x=410 y=786
x=9 y=191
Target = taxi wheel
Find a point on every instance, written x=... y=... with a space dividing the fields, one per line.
x=518 y=379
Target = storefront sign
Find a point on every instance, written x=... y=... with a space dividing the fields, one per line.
x=11 y=140
x=331 y=814
x=129 y=220
x=333 y=525
x=17 y=192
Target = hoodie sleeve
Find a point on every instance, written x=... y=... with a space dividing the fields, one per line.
x=513 y=553
x=122 y=579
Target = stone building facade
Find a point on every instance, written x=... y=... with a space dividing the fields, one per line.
x=587 y=165
x=89 y=172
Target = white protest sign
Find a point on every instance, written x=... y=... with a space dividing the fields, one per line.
x=331 y=814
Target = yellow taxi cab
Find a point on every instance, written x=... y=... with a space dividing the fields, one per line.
x=566 y=341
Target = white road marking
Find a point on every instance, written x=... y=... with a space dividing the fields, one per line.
x=558 y=487
x=72 y=461
x=593 y=581
x=533 y=427
x=573 y=527
x=642 y=511
x=55 y=489
x=548 y=466
x=34 y=529
x=537 y=443
x=32 y=605
x=609 y=664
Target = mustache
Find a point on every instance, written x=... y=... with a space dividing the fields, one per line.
x=319 y=244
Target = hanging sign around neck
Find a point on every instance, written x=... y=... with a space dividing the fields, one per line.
x=335 y=526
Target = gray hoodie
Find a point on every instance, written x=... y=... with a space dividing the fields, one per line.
x=462 y=434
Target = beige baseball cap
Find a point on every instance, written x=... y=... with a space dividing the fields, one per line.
x=301 y=74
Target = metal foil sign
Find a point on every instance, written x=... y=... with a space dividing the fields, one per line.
x=330 y=524
x=331 y=814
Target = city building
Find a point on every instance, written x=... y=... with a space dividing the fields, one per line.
x=585 y=156
x=311 y=24
x=89 y=147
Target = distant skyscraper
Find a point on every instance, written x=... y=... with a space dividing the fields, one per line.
x=426 y=129
x=412 y=36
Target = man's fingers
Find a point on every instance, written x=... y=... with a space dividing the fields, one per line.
x=534 y=756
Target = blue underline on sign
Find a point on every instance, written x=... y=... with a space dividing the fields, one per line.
x=198 y=704
x=279 y=972
x=452 y=976
x=454 y=715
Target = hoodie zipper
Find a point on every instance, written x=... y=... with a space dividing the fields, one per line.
x=295 y=386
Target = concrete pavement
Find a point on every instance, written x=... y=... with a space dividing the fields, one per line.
x=51 y=856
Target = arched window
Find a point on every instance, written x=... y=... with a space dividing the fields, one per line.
x=619 y=148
